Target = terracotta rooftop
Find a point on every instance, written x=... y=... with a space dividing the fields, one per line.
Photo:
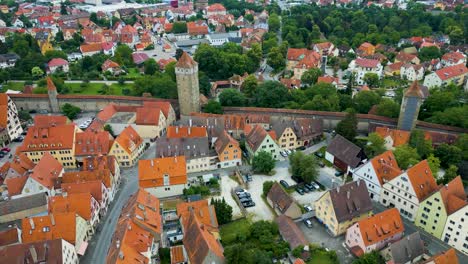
x=48 y=251
x=96 y=188
x=164 y=106
x=381 y=226
x=223 y=140
x=57 y=62
x=452 y=71
x=453 y=57
x=255 y=136
x=445 y=257
x=81 y=203
x=100 y=163
x=367 y=63
x=204 y=212
x=423 y=181
x=103 y=175
x=52 y=226
x=185 y=61
x=50 y=84
x=414 y=90
x=178 y=254
x=280 y=197
x=453 y=195
x=9 y=236
x=399 y=137
x=47 y=171
x=151 y=172
x=186 y=131
x=129 y=139
x=91 y=143
x=290 y=231
x=44 y=121
x=52 y=138
x=147 y=116
x=386 y=167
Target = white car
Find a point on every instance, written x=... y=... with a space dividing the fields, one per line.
x=283 y=153
x=288 y=152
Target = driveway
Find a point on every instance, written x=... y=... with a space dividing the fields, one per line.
x=227 y=184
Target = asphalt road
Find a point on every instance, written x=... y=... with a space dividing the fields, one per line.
x=99 y=244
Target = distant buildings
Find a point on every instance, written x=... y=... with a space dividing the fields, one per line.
x=9 y=117
x=455 y=74
x=361 y=66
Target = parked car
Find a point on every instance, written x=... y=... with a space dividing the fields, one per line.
x=18 y=139
x=284 y=183
x=244 y=195
x=316 y=186
x=246 y=199
x=300 y=190
x=240 y=190
x=2 y=155
x=338 y=173
x=318 y=154
x=309 y=186
x=288 y=152
x=6 y=149
x=248 y=204
x=308 y=223
x=306 y=189
x=321 y=164
x=249 y=177
x=301 y=148
x=283 y=153
x=308 y=208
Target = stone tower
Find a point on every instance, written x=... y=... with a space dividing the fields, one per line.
x=188 y=90
x=409 y=110
x=52 y=92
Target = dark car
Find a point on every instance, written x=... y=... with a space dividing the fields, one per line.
x=338 y=173
x=2 y=155
x=248 y=204
x=321 y=164
x=300 y=190
x=284 y=183
x=318 y=154
x=249 y=177
x=246 y=199
x=301 y=148
x=18 y=139
x=306 y=189
x=297 y=179
x=244 y=195
x=309 y=186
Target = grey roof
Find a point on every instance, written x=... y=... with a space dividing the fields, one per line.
x=304 y=128
x=350 y=200
x=191 y=148
x=236 y=40
x=407 y=248
x=191 y=42
x=345 y=151
x=279 y=198
x=23 y=203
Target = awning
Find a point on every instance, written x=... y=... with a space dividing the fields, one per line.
x=82 y=249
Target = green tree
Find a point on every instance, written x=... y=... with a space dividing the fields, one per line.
x=232 y=97
x=406 y=156
x=37 y=72
x=109 y=129
x=275 y=59
x=274 y=23
x=434 y=164
x=429 y=53
x=179 y=27
x=24 y=115
x=422 y=146
x=450 y=174
x=388 y=107
x=348 y=126
x=249 y=86
x=448 y=155
x=170 y=70
x=304 y=166
x=462 y=143
x=70 y=111
x=371 y=79
x=311 y=76
x=263 y=162
x=271 y=94
x=223 y=211
x=213 y=107
x=373 y=257
x=364 y=100
x=123 y=56
x=375 y=145
x=150 y=66
x=51 y=54
x=160 y=86
x=267 y=186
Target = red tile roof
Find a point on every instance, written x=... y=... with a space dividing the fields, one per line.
x=453 y=57
x=90 y=143
x=44 y=121
x=178 y=254
x=9 y=236
x=129 y=139
x=215 y=8
x=381 y=226
x=51 y=138
x=423 y=181
x=57 y=62
x=186 y=132
x=204 y=212
x=52 y=226
x=147 y=116
x=452 y=71
x=453 y=195
x=399 y=137
x=47 y=171
x=151 y=172
x=386 y=167
x=80 y=203
x=185 y=61
x=86 y=176
x=367 y=63
x=96 y=188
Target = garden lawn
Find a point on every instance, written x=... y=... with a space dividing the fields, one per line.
x=93 y=88
x=229 y=232
x=17 y=86
x=132 y=74
x=320 y=258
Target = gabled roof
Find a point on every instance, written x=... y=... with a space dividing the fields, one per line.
x=381 y=226
x=255 y=136
x=204 y=212
x=399 y=137
x=385 y=167
x=453 y=195
x=164 y=106
x=350 y=200
x=100 y=163
x=96 y=188
x=51 y=138
x=423 y=181
x=345 y=150
x=147 y=116
x=47 y=171
x=452 y=71
x=185 y=61
x=190 y=148
x=81 y=203
x=367 y=63
x=45 y=251
x=223 y=140
x=57 y=62
x=186 y=132
x=103 y=175
x=129 y=139
x=44 y=121
x=290 y=231
x=108 y=64
x=23 y=203
x=151 y=172
x=453 y=57
x=91 y=143
x=406 y=249
x=199 y=241
x=178 y=254
x=9 y=236
x=52 y=226
x=414 y=91
x=280 y=198
x=444 y=257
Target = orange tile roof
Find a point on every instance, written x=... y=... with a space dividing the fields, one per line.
x=447 y=257
x=185 y=61
x=186 y=132
x=453 y=195
x=386 y=167
x=50 y=84
x=87 y=176
x=147 y=116
x=151 y=172
x=81 y=203
x=178 y=255
x=3 y=109
x=129 y=139
x=96 y=188
x=47 y=171
x=414 y=90
x=15 y=184
x=52 y=138
x=9 y=236
x=91 y=143
x=52 y=226
x=204 y=212
x=100 y=163
x=108 y=64
x=93 y=47
x=164 y=106
x=44 y=121
x=20 y=164
x=223 y=140
x=299 y=261
x=255 y=136
x=423 y=181
x=381 y=226
x=452 y=71
x=399 y=137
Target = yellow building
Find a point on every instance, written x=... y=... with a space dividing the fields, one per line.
x=291 y=134
x=58 y=140
x=127 y=147
x=45 y=46
x=340 y=208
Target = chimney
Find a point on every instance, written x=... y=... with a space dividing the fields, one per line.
x=338 y=189
x=348 y=194
x=189 y=130
x=117 y=243
x=177 y=130
x=190 y=122
x=32 y=251
x=31 y=222
x=152 y=163
x=52 y=219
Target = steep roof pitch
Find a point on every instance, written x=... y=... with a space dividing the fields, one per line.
x=47 y=171
x=90 y=143
x=185 y=61
x=452 y=71
x=103 y=175
x=100 y=163
x=81 y=203
x=51 y=138
x=147 y=116
x=44 y=121
x=399 y=137
x=367 y=63
x=48 y=251
x=57 y=62
x=453 y=195
x=129 y=139
x=198 y=241
x=96 y=188
x=256 y=136
x=164 y=106
x=423 y=181
x=444 y=257
x=381 y=226
x=280 y=197
x=386 y=167
x=414 y=91
x=186 y=131
x=223 y=140
x=52 y=226
x=178 y=254
x=407 y=248
x=202 y=210
x=151 y=172
x=344 y=150
x=350 y=200
x=290 y=231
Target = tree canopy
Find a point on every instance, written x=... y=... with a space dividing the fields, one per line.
x=304 y=166
x=263 y=162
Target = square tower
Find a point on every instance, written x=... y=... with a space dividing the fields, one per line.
x=188 y=89
x=409 y=110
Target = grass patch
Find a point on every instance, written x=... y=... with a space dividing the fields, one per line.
x=17 y=86
x=94 y=88
x=230 y=231
x=171 y=204
x=133 y=73
x=321 y=257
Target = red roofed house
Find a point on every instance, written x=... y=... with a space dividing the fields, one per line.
x=453 y=74
x=57 y=64
x=366 y=49
x=45 y=177
x=215 y=9
x=301 y=60
x=112 y=67
x=393 y=137
x=326 y=49
x=412 y=72
x=375 y=232
x=150 y=122
x=453 y=58
x=362 y=66
x=329 y=79
x=163 y=177
x=197 y=28
x=229 y=152
x=127 y=147
x=258 y=139
x=129 y=36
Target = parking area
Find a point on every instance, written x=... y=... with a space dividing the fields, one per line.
x=227 y=184
x=318 y=235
